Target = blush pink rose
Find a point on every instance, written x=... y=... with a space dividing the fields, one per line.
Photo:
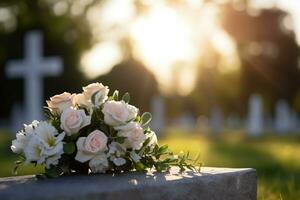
x=60 y=102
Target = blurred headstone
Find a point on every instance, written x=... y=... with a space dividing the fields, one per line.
x=186 y=121
x=255 y=116
x=282 y=117
x=33 y=68
x=216 y=120
x=158 y=112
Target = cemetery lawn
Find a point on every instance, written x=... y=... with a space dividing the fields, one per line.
x=275 y=158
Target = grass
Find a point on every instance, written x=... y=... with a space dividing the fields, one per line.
x=276 y=159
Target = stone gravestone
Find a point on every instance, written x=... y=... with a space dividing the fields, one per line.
x=32 y=69
x=209 y=184
x=255 y=116
x=186 y=121
x=158 y=112
x=216 y=120
x=282 y=117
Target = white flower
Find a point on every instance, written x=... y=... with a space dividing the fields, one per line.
x=22 y=137
x=99 y=164
x=119 y=161
x=153 y=139
x=49 y=138
x=60 y=102
x=34 y=151
x=100 y=89
x=45 y=146
x=134 y=134
x=73 y=120
x=118 y=112
x=116 y=151
x=91 y=146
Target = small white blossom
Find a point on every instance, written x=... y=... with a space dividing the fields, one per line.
x=99 y=163
x=22 y=137
x=44 y=146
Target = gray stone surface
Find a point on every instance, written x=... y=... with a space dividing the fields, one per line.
x=210 y=184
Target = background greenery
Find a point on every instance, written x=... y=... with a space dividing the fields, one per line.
x=276 y=158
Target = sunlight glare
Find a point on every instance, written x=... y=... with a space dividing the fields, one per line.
x=101 y=59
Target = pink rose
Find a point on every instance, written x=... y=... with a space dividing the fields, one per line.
x=118 y=112
x=60 y=102
x=134 y=135
x=73 y=120
x=100 y=89
x=91 y=146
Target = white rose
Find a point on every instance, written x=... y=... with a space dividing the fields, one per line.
x=22 y=137
x=73 y=120
x=118 y=112
x=60 y=102
x=99 y=164
x=45 y=146
x=134 y=134
x=100 y=89
x=88 y=147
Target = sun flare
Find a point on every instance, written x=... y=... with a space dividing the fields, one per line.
x=163 y=37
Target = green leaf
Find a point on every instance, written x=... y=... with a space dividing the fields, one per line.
x=140 y=166
x=126 y=97
x=163 y=149
x=146 y=118
x=69 y=148
x=53 y=172
x=116 y=95
x=120 y=139
x=93 y=98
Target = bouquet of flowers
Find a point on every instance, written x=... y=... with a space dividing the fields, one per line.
x=93 y=132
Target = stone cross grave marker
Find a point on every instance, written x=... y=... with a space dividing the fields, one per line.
x=255 y=116
x=33 y=68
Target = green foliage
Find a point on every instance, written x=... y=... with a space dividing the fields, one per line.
x=69 y=148
x=145 y=119
x=126 y=97
x=115 y=95
x=53 y=172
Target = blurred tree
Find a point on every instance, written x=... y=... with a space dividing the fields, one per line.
x=131 y=76
x=268 y=52
x=214 y=87
x=66 y=34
